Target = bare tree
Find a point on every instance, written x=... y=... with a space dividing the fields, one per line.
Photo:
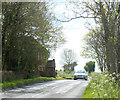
x=68 y=59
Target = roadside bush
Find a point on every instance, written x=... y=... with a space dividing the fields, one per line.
x=104 y=85
x=10 y=75
x=7 y=76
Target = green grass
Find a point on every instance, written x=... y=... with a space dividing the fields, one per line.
x=59 y=78
x=69 y=77
x=102 y=85
x=88 y=92
x=65 y=75
x=17 y=83
x=21 y=82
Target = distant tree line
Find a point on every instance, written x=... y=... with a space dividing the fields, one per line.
x=29 y=33
x=70 y=67
x=90 y=66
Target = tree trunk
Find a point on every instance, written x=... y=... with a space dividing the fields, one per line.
x=118 y=53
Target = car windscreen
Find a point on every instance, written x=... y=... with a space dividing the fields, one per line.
x=80 y=71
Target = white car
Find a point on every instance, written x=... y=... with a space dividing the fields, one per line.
x=81 y=74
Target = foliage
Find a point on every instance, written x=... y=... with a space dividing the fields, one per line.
x=91 y=50
x=103 y=40
x=69 y=60
x=70 y=67
x=86 y=68
x=90 y=66
x=102 y=85
x=65 y=74
x=7 y=76
x=28 y=34
x=21 y=82
x=59 y=78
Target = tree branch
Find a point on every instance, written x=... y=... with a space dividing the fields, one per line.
x=75 y=18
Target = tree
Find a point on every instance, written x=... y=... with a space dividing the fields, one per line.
x=70 y=67
x=86 y=68
x=69 y=60
x=95 y=47
x=106 y=18
x=0 y=36
x=90 y=66
x=28 y=35
x=108 y=26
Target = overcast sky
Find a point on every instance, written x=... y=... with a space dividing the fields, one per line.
x=74 y=32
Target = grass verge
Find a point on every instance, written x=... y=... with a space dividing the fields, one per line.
x=102 y=85
x=22 y=82
x=65 y=75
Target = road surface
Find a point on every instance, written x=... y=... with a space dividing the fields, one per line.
x=51 y=89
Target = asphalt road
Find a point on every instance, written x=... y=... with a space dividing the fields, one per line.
x=51 y=89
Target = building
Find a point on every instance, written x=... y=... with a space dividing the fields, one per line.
x=48 y=70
